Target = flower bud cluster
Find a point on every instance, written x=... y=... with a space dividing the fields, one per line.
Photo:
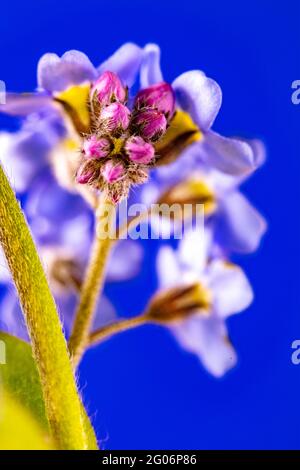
x=120 y=148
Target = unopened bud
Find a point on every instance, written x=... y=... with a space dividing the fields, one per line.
x=108 y=88
x=159 y=96
x=112 y=171
x=138 y=150
x=87 y=172
x=94 y=148
x=115 y=117
x=151 y=124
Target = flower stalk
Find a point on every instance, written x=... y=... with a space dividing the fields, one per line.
x=107 y=331
x=67 y=420
x=94 y=279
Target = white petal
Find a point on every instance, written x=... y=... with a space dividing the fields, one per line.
x=168 y=270
x=194 y=249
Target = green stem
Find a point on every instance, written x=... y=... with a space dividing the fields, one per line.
x=62 y=402
x=107 y=331
x=94 y=280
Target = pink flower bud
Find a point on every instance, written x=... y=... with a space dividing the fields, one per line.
x=159 y=96
x=86 y=173
x=96 y=148
x=150 y=123
x=138 y=150
x=112 y=172
x=108 y=88
x=115 y=117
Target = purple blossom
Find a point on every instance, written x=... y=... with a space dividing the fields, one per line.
x=204 y=333
x=201 y=98
x=61 y=220
x=236 y=225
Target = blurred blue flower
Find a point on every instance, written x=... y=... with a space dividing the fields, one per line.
x=60 y=219
x=237 y=226
x=203 y=332
x=201 y=97
x=43 y=157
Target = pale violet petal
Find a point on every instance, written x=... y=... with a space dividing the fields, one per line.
x=125 y=62
x=199 y=96
x=5 y=275
x=207 y=339
x=259 y=151
x=11 y=318
x=150 y=193
x=18 y=104
x=105 y=313
x=76 y=234
x=18 y=166
x=239 y=226
x=233 y=156
x=125 y=261
x=165 y=226
x=230 y=288
x=150 y=68
x=58 y=73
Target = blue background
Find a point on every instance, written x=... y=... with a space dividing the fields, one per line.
x=143 y=391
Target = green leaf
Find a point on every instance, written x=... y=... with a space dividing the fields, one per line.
x=18 y=428
x=20 y=377
x=62 y=401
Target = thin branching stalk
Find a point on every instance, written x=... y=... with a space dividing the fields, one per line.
x=104 y=333
x=62 y=402
x=94 y=279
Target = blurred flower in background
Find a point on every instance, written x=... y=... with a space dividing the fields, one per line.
x=190 y=163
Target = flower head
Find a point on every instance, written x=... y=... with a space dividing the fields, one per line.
x=198 y=97
x=120 y=140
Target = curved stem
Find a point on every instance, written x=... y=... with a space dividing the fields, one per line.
x=107 y=331
x=62 y=402
x=94 y=280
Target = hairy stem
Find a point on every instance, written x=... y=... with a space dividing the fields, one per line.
x=109 y=330
x=94 y=280
x=62 y=402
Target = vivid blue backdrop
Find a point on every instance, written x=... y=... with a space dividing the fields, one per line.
x=143 y=391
